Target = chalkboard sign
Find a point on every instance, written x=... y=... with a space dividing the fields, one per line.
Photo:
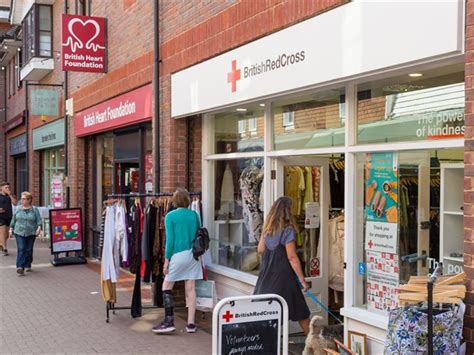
x=250 y=326
x=251 y=338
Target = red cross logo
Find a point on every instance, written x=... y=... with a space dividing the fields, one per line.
x=227 y=316
x=233 y=76
x=370 y=244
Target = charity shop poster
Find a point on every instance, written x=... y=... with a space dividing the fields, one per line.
x=382 y=281
x=66 y=230
x=381 y=202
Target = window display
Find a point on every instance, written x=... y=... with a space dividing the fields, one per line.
x=409 y=222
x=238 y=213
x=53 y=166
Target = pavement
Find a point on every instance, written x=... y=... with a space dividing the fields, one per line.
x=59 y=310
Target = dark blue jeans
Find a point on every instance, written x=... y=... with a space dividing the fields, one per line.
x=24 y=256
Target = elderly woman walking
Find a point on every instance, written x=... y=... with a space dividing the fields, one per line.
x=25 y=226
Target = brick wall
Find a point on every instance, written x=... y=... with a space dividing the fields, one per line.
x=194 y=31
x=469 y=178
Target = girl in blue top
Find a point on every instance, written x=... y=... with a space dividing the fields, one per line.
x=181 y=226
x=26 y=226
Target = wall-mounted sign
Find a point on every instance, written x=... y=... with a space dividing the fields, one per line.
x=124 y=110
x=286 y=60
x=17 y=145
x=44 y=102
x=84 y=45
x=14 y=122
x=50 y=135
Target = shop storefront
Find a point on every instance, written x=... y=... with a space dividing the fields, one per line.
x=119 y=131
x=49 y=139
x=365 y=136
x=17 y=149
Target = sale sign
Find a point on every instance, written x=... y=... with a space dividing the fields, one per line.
x=66 y=230
x=83 y=43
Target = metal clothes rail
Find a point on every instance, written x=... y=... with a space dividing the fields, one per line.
x=109 y=305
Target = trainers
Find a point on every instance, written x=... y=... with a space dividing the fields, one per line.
x=28 y=269
x=5 y=252
x=191 y=328
x=163 y=328
x=20 y=271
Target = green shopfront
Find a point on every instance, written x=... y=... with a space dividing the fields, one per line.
x=49 y=140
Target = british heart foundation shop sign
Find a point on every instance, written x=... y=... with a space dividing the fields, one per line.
x=84 y=45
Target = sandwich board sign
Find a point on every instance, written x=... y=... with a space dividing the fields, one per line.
x=256 y=324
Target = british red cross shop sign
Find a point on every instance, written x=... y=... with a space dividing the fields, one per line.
x=83 y=43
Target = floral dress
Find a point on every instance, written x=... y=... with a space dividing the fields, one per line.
x=407 y=332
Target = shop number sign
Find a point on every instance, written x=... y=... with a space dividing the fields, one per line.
x=66 y=230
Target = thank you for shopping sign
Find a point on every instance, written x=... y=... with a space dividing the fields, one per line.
x=250 y=325
x=66 y=230
x=84 y=47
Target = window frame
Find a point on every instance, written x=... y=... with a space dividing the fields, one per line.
x=288 y=119
x=31 y=36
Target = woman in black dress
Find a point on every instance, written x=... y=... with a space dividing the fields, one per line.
x=280 y=264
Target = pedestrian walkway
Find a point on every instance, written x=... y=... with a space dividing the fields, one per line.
x=60 y=310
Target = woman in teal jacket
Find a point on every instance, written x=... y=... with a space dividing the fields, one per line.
x=26 y=226
x=181 y=226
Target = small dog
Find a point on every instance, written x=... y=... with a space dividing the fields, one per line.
x=322 y=337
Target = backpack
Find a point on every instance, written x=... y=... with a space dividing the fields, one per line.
x=201 y=242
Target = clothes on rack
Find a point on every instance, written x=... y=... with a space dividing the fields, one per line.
x=407 y=331
x=250 y=181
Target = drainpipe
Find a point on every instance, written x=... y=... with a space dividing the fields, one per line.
x=66 y=123
x=156 y=90
x=5 y=170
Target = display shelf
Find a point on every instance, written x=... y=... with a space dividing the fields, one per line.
x=451 y=215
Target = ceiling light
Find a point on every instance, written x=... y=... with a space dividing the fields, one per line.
x=241 y=110
x=5 y=47
x=262 y=105
x=415 y=75
x=3 y=68
x=18 y=49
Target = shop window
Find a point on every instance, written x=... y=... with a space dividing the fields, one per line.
x=53 y=177
x=238 y=217
x=21 y=176
x=312 y=121
x=104 y=170
x=410 y=205
x=417 y=106
x=37 y=33
x=231 y=133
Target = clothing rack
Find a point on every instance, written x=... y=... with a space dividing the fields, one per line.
x=109 y=305
x=156 y=194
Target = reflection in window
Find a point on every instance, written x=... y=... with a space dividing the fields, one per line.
x=37 y=33
x=238 y=213
x=310 y=121
x=240 y=130
x=430 y=106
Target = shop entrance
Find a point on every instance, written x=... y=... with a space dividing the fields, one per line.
x=306 y=182
x=127 y=178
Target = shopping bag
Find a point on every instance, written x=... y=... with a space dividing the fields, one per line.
x=206 y=295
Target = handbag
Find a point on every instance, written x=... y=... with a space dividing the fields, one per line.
x=201 y=241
